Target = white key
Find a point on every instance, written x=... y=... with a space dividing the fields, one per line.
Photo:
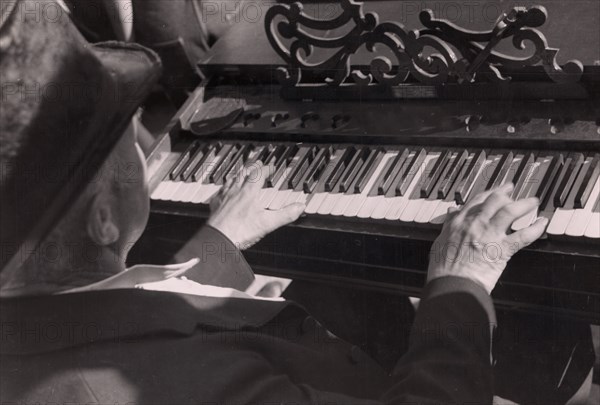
x=172 y=186
x=170 y=191
x=341 y=204
x=274 y=192
x=360 y=199
x=265 y=191
x=205 y=191
x=315 y=202
x=200 y=194
x=382 y=205
x=530 y=187
x=190 y=192
x=369 y=205
x=415 y=203
x=562 y=217
x=483 y=175
x=296 y=196
x=560 y=220
x=187 y=190
x=199 y=186
x=373 y=201
x=158 y=191
x=431 y=204
x=329 y=203
x=398 y=204
x=183 y=190
x=581 y=217
x=316 y=198
x=427 y=209
x=279 y=201
x=441 y=212
x=304 y=198
x=593 y=228
x=514 y=166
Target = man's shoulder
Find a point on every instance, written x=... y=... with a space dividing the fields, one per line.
x=119 y=313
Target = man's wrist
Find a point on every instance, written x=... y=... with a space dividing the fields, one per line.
x=456 y=284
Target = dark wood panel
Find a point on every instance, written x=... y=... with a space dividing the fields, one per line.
x=536 y=280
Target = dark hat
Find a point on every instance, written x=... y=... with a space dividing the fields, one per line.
x=65 y=104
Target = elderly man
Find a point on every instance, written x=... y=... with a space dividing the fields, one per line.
x=77 y=326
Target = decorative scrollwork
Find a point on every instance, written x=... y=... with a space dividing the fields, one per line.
x=453 y=53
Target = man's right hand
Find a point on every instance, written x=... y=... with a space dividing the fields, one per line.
x=237 y=212
x=475 y=242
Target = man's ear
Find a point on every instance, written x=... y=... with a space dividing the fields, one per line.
x=101 y=224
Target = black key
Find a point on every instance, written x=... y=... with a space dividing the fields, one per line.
x=382 y=174
x=371 y=163
x=259 y=154
x=191 y=166
x=181 y=162
x=201 y=167
x=452 y=174
x=450 y=196
x=407 y=175
x=352 y=170
x=237 y=162
x=583 y=170
x=433 y=176
x=275 y=154
x=281 y=160
x=390 y=172
x=573 y=165
x=482 y=181
x=550 y=179
x=466 y=182
x=330 y=164
x=588 y=183
x=339 y=168
x=549 y=200
x=500 y=171
x=305 y=158
x=433 y=195
x=225 y=155
x=274 y=159
x=316 y=169
x=597 y=205
x=521 y=174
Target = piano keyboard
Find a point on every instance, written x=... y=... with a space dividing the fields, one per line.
x=413 y=185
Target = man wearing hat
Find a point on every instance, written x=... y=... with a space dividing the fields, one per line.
x=76 y=326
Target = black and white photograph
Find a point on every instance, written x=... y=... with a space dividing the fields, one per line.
x=320 y=202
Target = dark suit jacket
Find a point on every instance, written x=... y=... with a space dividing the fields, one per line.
x=129 y=345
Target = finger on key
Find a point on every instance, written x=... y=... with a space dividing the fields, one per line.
x=283 y=216
x=257 y=174
x=528 y=235
x=498 y=199
x=479 y=199
x=513 y=211
x=452 y=212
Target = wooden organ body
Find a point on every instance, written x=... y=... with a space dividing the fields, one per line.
x=379 y=145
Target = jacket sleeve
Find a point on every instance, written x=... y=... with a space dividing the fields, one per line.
x=449 y=357
x=221 y=264
x=448 y=361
